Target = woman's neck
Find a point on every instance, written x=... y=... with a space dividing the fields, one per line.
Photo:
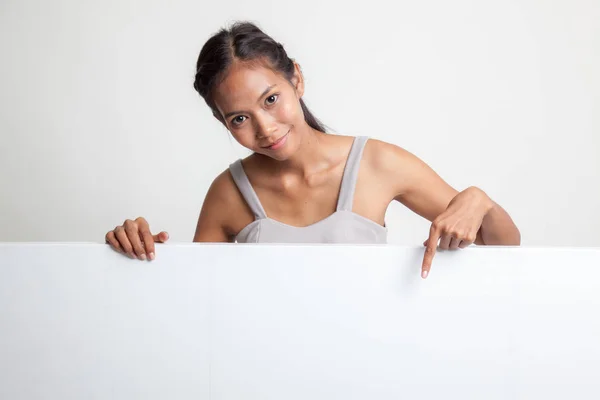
x=312 y=155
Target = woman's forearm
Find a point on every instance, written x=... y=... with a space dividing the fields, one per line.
x=498 y=228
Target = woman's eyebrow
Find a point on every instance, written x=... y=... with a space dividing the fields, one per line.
x=260 y=97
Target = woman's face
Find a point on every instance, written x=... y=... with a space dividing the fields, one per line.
x=262 y=109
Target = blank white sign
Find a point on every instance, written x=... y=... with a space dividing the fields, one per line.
x=232 y=321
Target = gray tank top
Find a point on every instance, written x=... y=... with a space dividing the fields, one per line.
x=343 y=226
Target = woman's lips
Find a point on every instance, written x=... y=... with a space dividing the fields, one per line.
x=279 y=143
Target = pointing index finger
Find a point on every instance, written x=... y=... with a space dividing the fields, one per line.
x=432 y=242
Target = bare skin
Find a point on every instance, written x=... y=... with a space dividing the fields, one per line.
x=298 y=183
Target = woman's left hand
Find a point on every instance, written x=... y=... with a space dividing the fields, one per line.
x=458 y=225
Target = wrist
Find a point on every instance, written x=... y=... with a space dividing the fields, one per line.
x=487 y=204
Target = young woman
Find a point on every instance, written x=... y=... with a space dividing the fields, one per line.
x=302 y=184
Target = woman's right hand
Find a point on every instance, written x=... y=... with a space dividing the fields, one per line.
x=134 y=239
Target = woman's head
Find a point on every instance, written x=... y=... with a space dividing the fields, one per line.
x=253 y=88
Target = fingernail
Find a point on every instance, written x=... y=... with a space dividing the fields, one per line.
x=424 y=274
x=143 y=256
x=152 y=256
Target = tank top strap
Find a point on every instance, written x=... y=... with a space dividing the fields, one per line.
x=245 y=187
x=346 y=196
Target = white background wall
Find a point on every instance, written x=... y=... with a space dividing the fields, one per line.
x=99 y=121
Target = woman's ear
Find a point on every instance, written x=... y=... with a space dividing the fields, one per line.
x=298 y=80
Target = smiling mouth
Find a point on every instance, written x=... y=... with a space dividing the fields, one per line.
x=276 y=142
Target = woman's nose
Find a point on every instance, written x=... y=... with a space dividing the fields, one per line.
x=265 y=127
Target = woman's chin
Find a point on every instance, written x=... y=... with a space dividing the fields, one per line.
x=282 y=151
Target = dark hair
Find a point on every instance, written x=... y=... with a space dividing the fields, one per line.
x=246 y=42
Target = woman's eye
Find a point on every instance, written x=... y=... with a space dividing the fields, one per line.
x=272 y=98
x=238 y=120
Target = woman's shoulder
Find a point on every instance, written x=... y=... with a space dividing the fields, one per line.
x=225 y=203
x=386 y=157
x=380 y=157
x=391 y=165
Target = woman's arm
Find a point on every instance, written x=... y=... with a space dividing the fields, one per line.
x=213 y=222
x=498 y=228
x=458 y=218
x=421 y=189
